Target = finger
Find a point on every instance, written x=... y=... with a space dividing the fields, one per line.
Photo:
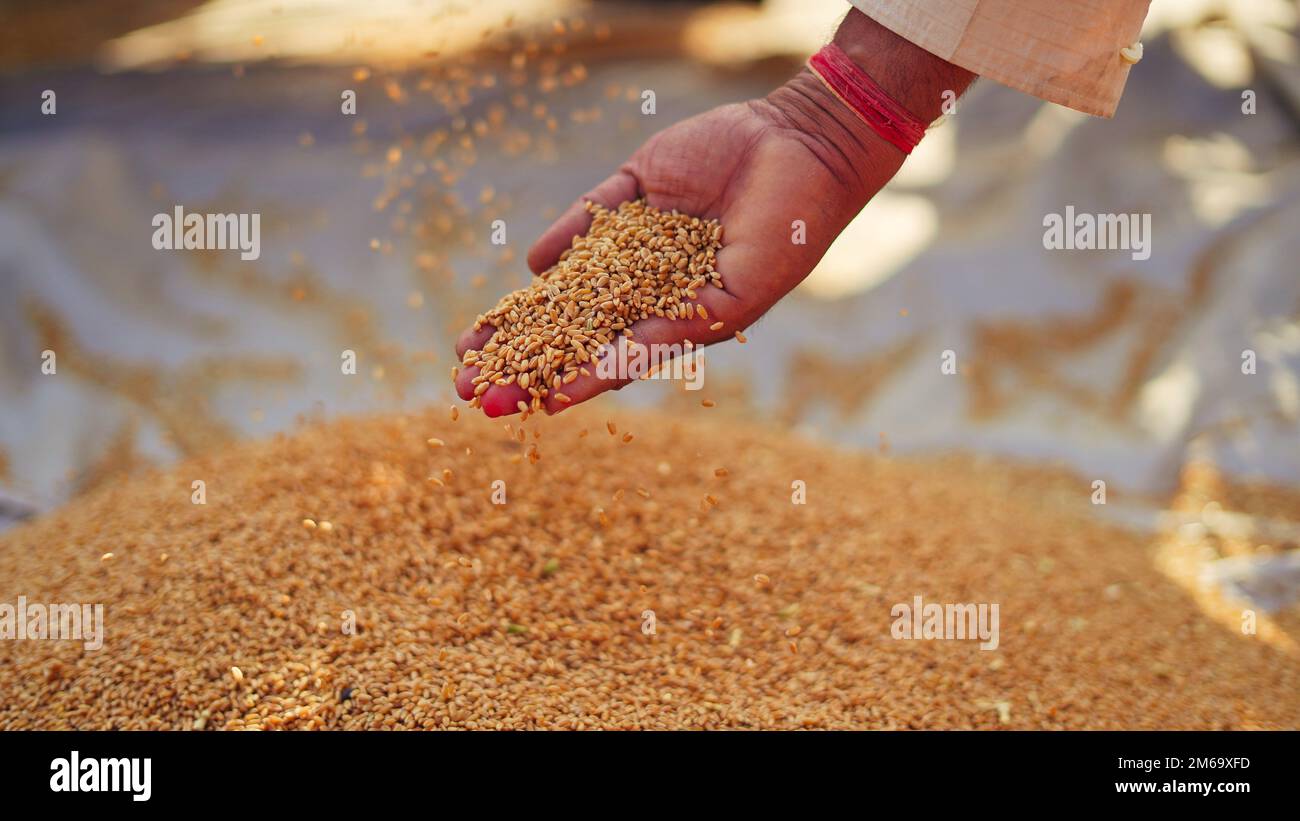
x=497 y=400
x=653 y=331
x=465 y=382
x=503 y=400
x=574 y=222
x=472 y=340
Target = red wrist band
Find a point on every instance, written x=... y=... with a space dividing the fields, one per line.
x=864 y=97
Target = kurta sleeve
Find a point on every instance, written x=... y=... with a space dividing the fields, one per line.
x=1064 y=51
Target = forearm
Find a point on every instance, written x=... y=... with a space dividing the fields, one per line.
x=911 y=75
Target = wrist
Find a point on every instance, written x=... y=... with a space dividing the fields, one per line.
x=854 y=153
x=916 y=79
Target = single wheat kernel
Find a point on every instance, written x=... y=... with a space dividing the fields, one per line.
x=717 y=326
x=708 y=403
x=741 y=338
x=435 y=442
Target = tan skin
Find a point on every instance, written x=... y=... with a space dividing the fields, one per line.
x=797 y=154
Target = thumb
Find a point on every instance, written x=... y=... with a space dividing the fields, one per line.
x=619 y=188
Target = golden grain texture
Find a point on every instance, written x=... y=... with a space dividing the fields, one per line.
x=530 y=614
x=635 y=262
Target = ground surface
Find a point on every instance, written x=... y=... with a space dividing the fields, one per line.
x=532 y=613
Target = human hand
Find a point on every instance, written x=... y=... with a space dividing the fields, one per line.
x=757 y=167
x=797 y=154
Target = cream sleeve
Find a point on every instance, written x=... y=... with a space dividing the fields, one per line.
x=1064 y=51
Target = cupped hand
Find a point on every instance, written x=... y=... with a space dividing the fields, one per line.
x=758 y=167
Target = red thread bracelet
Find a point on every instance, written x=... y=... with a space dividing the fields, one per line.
x=864 y=97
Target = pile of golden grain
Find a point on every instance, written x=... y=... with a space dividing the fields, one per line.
x=633 y=263
x=603 y=594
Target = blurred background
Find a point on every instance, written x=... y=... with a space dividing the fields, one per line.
x=375 y=238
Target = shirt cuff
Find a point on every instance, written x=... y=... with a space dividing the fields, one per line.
x=1063 y=51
